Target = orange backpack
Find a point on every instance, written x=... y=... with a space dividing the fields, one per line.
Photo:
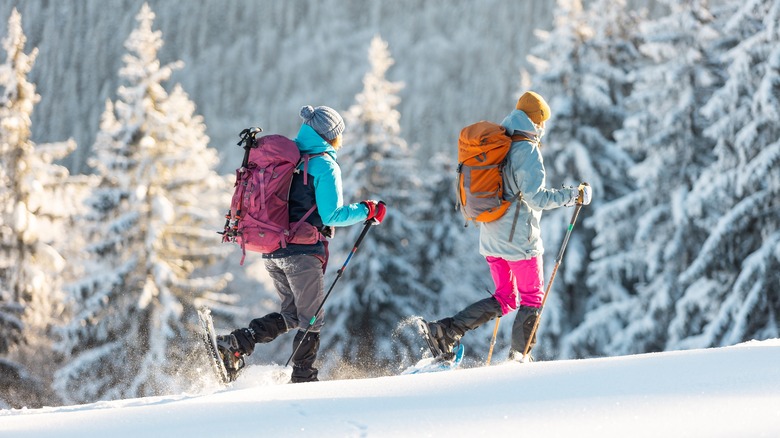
x=482 y=150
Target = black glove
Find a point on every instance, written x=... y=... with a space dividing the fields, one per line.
x=328 y=231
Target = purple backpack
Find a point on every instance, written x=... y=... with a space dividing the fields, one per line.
x=259 y=217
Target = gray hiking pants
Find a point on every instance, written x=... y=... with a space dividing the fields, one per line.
x=299 y=282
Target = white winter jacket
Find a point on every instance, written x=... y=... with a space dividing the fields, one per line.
x=524 y=175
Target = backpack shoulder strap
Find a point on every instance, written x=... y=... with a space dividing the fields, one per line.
x=519 y=136
x=305 y=160
x=523 y=136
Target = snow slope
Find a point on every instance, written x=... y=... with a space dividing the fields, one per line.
x=720 y=392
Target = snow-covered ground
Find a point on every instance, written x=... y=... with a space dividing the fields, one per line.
x=721 y=392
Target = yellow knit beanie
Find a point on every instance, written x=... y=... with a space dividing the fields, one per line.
x=534 y=106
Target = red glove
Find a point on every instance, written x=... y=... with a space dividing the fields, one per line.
x=376 y=211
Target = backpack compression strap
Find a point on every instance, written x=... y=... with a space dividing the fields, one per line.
x=519 y=136
x=305 y=159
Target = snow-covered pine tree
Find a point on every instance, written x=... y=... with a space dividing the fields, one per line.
x=645 y=238
x=730 y=289
x=582 y=69
x=382 y=285
x=17 y=102
x=244 y=57
x=149 y=226
x=31 y=268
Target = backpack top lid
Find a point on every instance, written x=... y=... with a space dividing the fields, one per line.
x=480 y=138
x=274 y=149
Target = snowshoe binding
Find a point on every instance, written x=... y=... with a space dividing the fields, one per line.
x=441 y=360
x=231 y=356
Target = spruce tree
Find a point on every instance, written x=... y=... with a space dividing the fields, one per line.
x=645 y=237
x=382 y=285
x=34 y=194
x=730 y=287
x=582 y=68
x=150 y=225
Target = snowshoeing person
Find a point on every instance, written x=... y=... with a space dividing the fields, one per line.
x=297 y=269
x=512 y=243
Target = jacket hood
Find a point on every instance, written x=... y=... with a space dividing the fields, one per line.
x=519 y=121
x=309 y=142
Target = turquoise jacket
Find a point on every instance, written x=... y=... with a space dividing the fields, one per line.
x=327 y=181
x=524 y=180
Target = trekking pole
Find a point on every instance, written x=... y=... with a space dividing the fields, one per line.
x=493 y=341
x=338 y=275
x=558 y=260
x=495 y=333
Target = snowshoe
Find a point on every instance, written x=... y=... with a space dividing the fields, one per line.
x=226 y=366
x=444 y=362
x=441 y=360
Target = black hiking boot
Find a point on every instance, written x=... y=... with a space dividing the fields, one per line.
x=305 y=354
x=521 y=332
x=232 y=355
x=444 y=336
x=234 y=348
x=267 y=328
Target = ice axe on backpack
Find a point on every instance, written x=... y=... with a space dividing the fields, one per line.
x=249 y=141
x=558 y=260
x=343 y=268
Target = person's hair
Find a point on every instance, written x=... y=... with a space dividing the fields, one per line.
x=336 y=142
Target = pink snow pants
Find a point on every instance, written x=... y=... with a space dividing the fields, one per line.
x=521 y=277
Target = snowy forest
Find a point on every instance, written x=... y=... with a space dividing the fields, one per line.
x=118 y=125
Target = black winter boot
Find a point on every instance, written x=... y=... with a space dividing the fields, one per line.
x=240 y=341
x=305 y=355
x=260 y=330
x=448 y=331
x=232 y=354
x=267 y=328
x=521 y=331
x=445 y=335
